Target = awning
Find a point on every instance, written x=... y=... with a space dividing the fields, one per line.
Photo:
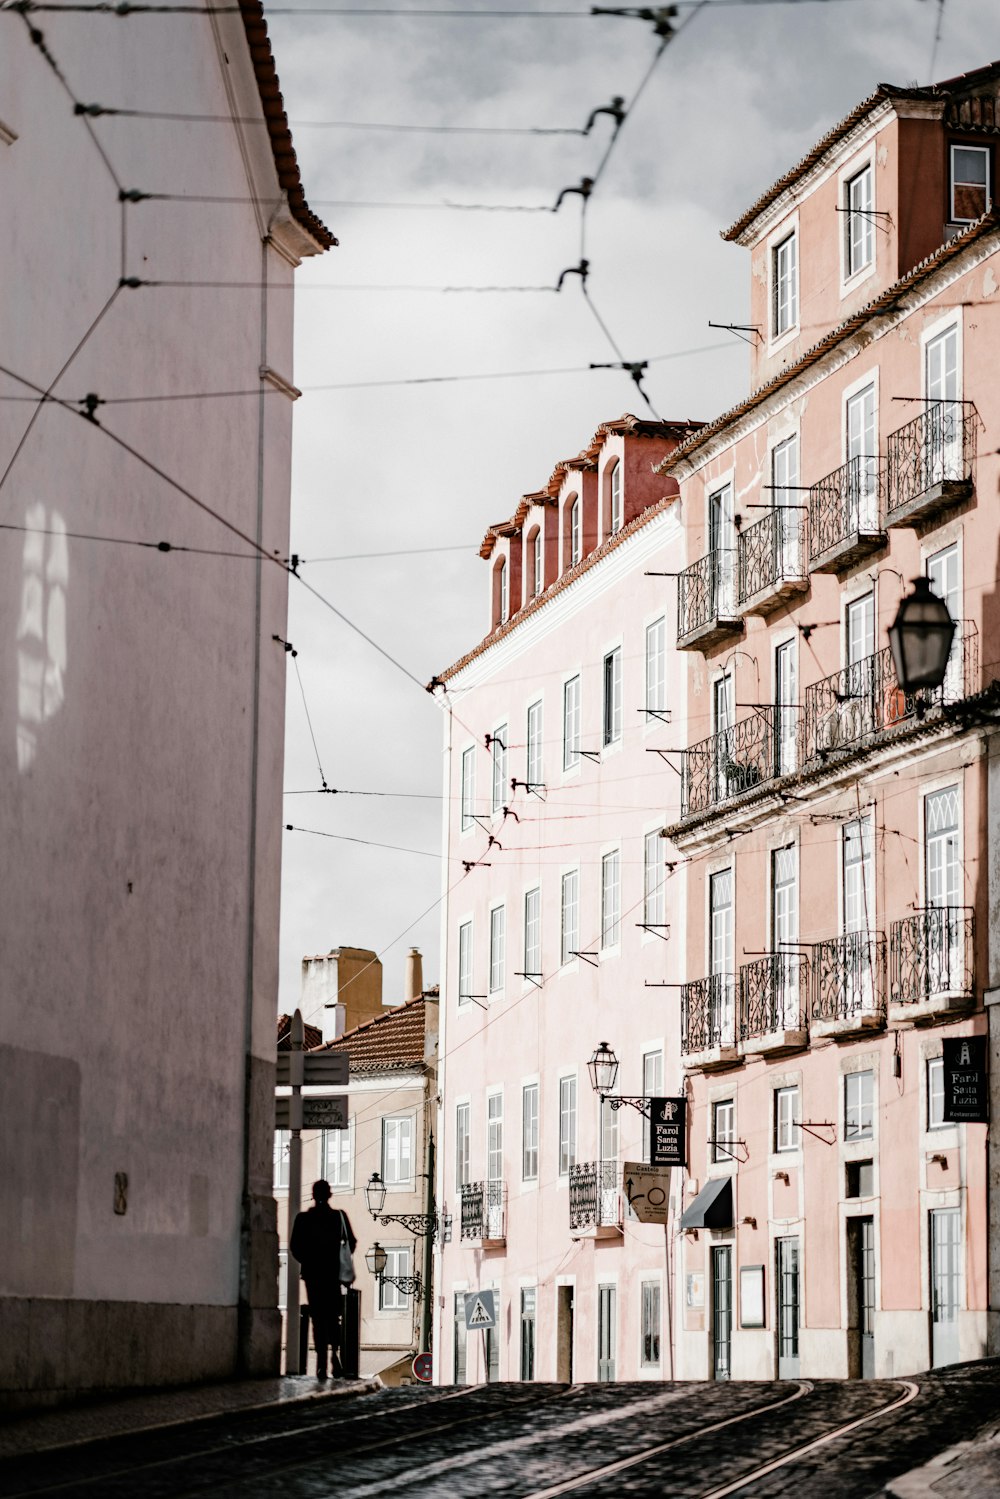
x=713 y=1207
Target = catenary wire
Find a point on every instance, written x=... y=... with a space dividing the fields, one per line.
x=369 y=842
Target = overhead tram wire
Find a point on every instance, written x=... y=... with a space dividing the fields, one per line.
x=107 y=111
x=125 y=9
x=369 y=842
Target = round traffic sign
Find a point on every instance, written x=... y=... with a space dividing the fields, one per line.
x=422 y=1366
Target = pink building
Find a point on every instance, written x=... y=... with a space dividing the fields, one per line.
x=837 y=832
x=555 y=920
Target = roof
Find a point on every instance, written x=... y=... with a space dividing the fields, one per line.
x=312 y=1034
x=273 y=106
x=391 y=1042
x=884 y=302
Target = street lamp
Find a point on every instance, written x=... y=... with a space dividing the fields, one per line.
x=418 y=1224
x=375 y=1259
x=375 y=1194
x=920 y=638
x=410 y=1285
x=603 y=1069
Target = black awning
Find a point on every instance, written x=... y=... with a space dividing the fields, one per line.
x=713 y=1207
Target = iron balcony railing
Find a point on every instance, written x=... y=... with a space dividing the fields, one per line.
x=845 y=504
x=932 y=954
x=706 y=592
x=484 y=1210
x=595 y=1195
x=731 y=761
x=937 y=447
x=773 y=995
x=771 y=552
x=848 y=977
x=708 y=1014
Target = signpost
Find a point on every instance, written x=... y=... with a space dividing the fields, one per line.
x=319 y=1111
x=317 y=1068
x=647 y=1190
x=966 y=1081
x=667 y=1131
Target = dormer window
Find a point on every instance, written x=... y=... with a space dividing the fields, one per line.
x=784 y=286
x=501 y=592
x=535 y=560
x=859 y=229
x=970 y=183
x=615 y=499
x=575 y=532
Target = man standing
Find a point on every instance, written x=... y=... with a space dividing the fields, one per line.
x=317 y=1239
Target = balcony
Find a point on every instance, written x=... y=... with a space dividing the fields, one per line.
x=595 y=1200
x=931 y=463
x=484 y=1213
x=931 y=964
x=708 y=1023
x=772 y=1004
x=848 y=990
x=706 y=602
x=771 y=560
x=845 y=516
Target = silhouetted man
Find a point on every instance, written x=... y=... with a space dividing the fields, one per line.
x=317 y=1236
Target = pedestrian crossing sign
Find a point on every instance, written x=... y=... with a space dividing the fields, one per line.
x=480 y=1311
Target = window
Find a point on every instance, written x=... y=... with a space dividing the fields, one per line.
x=461 y=1338
x=464 y=962
x=494 y=1139
x=942 y=867
x=498 y=747
x=650 y=1292
x=461 y=1146
x=567 y=1125
x=533 y=934
x=535 y=556
x=784 y=286
x=569 y=938
x=529 y=1132
x=656 y=668
x=282 y=1279
x=935 y=1092
x=468 y=787
x=858 y=881
x=609 y=1136
x=858 y=1110
x=335 y=1157
x=282 y=1141
x=862 y=457
x=859 y=226
x=575 y=532
x=723 y=1130
x=612 y=697
x=721 y=599
x=611 y=903
x=528 y=1298
x=397 y=1264
x=785 y=708
x=615 y=499
x=970 y=183
x=654 y=881
x=785 y=936
x=533 y=773
x=786 y=498
x=860 y=628
x=860 y=1179
x=943 y=412
x=571 y=723
x=397 y=1152
x=652 y=1087
x=721 y=995
x=787 y=1117
x=503 y=591
x=497 y=944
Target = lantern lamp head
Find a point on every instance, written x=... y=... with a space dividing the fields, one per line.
x=375 y=1258
x=375 y=1194
x=603 y=1069
x=920 y=638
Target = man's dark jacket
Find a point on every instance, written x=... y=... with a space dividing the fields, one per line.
x=316 y=1239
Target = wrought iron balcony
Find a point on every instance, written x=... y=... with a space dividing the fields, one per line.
x=773 y=1003
x=708 y=1021
x=848 y=984
x=932 y=962
x=845 y=515
x=931 y=462
x=706 y=601
x=484 y=1211
x=849 y=710
x=595 y=1199
x=739 y=759
x=771 y=560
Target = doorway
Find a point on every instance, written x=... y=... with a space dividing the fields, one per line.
x=564 y=1334
x=946 y=1238
x=787 y=1279
x=606 y=1334
x=861 y=1297
x=722 y=1311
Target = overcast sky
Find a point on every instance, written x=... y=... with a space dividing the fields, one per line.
x=734 y=101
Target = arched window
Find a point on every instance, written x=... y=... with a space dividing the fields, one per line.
x=575 y=530
x=535 y=562
x=614 y=488
x=501 y=592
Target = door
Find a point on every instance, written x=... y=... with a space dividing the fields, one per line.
x=564 y=1334
x=494 y=1166
x=723 y=719
x=492 y=1341
x=722 y=547
x=943 y=424
x=942 y=574
x=461 y=1338
x=943 y=916
x=784 y=936
x=860 y=496
x=528 y=1296
x=945 y=1237
x=787 y=1279
x=859 y=707
x=858 y=974
x=786 y=500
x=861 y=1263
x=785 y=714
x=722 y=1311
x=720 y=991
x=606 y=1299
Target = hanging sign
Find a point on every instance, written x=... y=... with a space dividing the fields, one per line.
x=667 y=1131
x=966 y=1081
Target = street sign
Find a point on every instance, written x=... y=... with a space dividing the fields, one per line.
x=319 y=1068
x=322 y=1111
x=966 y=1084
x=647 y=1189
x=667 y=1131
x=480 y=1311
x=423 y=1367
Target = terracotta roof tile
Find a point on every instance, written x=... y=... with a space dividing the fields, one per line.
x=313 y=1036
x=390 y=1042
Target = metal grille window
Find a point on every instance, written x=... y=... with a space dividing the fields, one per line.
x=656 y=668
x=567 y=1125
x=397 y=1264
x=569 y=930
x=787 y=1114
x=575 y=533
x=615 y=500
x=970 y=183
x=533 y=774
x=650 y=1292
x=935 y=1092
x=784 y=286
x=397 y=1151
x=468 y=787
x=571 y=723
x=652 y=1087
x=464 y=962
x=723 y=1130
x=499 y=752
x=529 y=1132
x=533 y=933
x=611 y=899
x=282 y=1140
x=498 y=932
x=859 y=226
x=612 y=718
x=654 y=881
x=335 y=1156
x=858 y=1105
x=528 y=1299
x=462 y=1134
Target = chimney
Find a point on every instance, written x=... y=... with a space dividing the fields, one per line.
x=414 y=974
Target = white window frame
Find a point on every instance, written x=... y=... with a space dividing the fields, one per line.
x=611 y=900
x=282 y=1142
x=787 y=1118
x=569 y=1117
x=652 y=1086
x=463 y=1143
x=395 y=1129
x=499 y=766
x=466 y=958
x=788 y=234
x=467 y=789
x=612 y=697
x=498 y=948
x=656 y=670
x=852 y=275
x=722 y=1142
x=341 y=1180
x=935 y=1065
x=568 y=933
x=966 y=146
x=397 y=1263
x=615 y=508
x=503 y=602
x=534 y=772
x=859 y=1104
x=575 y=529
x=529 y=1132
x=649 y=1366
x=537 y=571
x=533 y=935
x=654 y=884
x=572 y=689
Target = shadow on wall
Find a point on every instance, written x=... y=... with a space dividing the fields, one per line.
x=39 y=1150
